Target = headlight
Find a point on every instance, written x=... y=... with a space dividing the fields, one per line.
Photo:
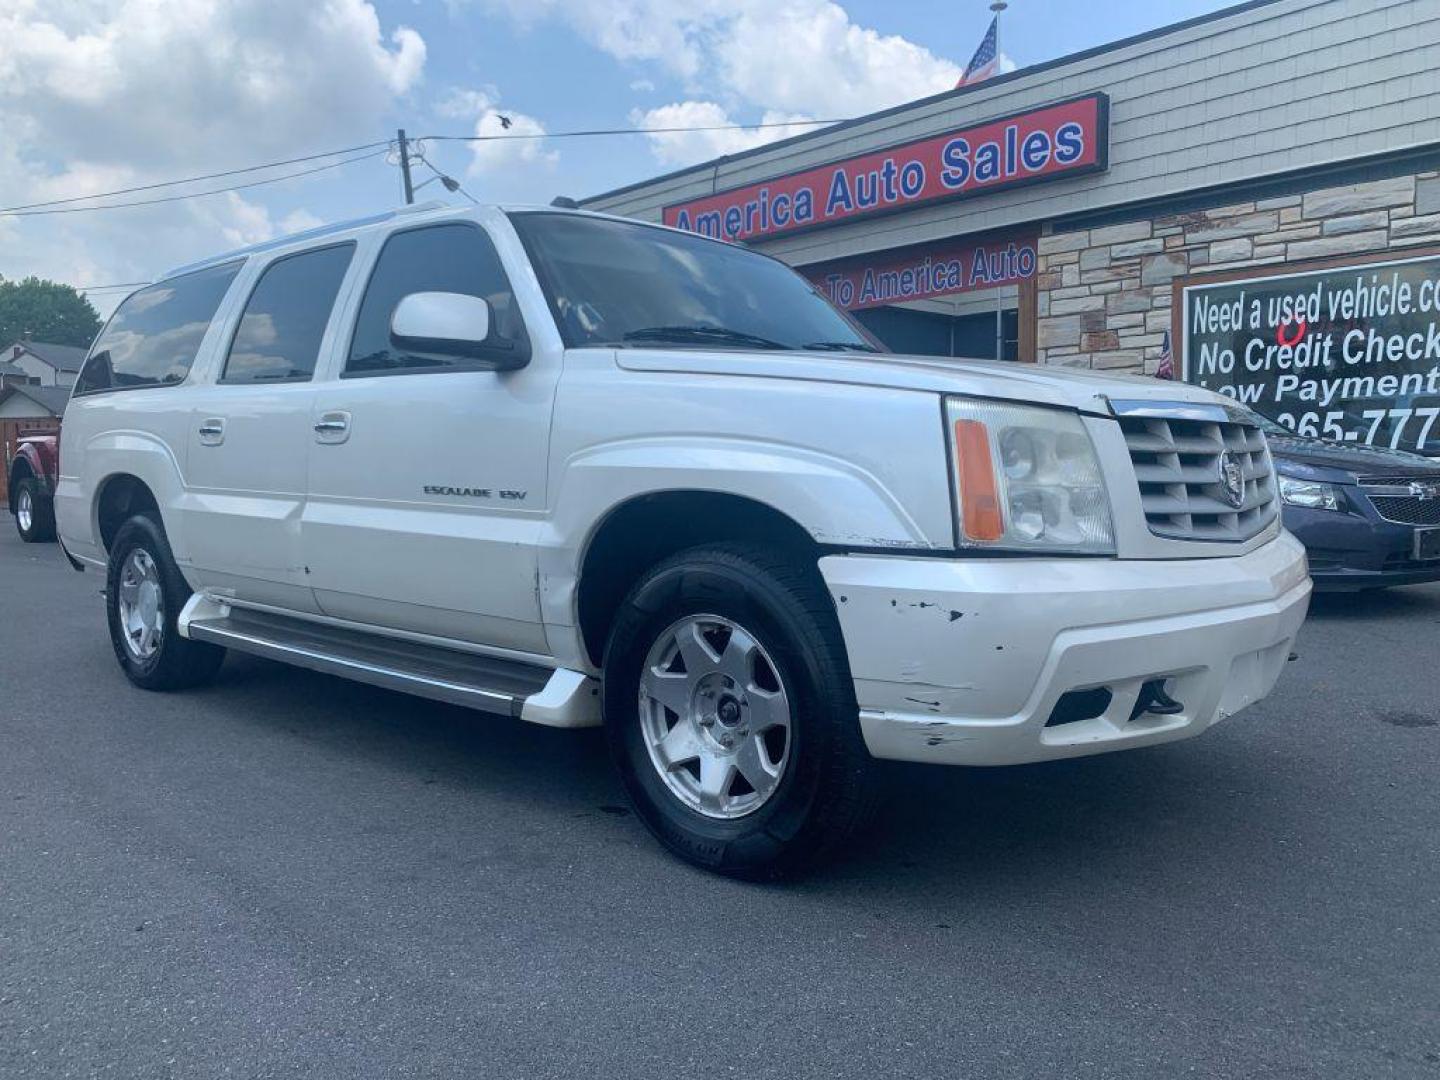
x=1027 y=479
x=1309 y=493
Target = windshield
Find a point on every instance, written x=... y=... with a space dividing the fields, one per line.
x=628 y=285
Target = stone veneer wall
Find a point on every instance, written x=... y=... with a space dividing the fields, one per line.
x=1103 y=295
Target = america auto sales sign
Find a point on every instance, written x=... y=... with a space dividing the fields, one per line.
x=1061 y=140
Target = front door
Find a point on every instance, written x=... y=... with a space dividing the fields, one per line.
x=250 y=434
x=427 y=478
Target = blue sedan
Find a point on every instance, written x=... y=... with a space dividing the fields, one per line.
x=1368 y=517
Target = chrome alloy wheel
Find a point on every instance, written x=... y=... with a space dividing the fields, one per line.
x=142 y=605
x=715 y=716
x=25 y=510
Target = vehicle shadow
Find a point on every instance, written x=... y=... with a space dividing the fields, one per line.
x=1376 y=603
x=1092 y=818
x=939 y=832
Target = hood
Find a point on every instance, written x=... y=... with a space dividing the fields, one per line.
x=1087 y=391
x=1323 y=459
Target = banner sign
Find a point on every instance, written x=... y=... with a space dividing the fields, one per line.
x=919 y=273
x=1351 y=354
x=1065 y=139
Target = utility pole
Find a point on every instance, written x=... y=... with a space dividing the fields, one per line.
x=405 y=167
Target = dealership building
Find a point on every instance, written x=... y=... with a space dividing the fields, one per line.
x=1255 y=192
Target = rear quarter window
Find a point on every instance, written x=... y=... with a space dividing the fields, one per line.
x=153 y=337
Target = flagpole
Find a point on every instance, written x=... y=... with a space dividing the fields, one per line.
x=997 y=7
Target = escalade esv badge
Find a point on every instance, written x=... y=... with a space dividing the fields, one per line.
x=474 y=492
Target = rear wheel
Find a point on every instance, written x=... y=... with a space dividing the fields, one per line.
x=144 y=595
x=34 y=514
x=731 y=714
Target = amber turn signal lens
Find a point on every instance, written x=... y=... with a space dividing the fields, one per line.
x=980 y=514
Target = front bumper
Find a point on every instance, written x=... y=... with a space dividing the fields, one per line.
x=962 y=661
x=1358 y=550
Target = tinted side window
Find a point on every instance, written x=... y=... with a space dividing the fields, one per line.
x=152 y=338
x=279 y=333
x=440 y=258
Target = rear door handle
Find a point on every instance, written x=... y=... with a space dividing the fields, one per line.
x=333 y=427
x=212 y=431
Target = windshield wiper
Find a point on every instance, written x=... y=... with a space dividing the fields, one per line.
x=703 y=335
x=840 y=346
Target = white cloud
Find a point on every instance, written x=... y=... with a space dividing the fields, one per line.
x=790 y=59
x=462 y=103
x=675 y=148
x=640 y=30
x=97 y=95
x=807 y=56
x=299 y=221
x=237 y=221
x=507 y=160
x=794 y=56
x=159 y=83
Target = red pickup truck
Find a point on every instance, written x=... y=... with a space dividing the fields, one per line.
x=32 y=486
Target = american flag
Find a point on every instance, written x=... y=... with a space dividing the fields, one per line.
x=1166 y=367
x=986 y=59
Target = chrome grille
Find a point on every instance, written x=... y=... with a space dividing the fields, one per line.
x=1180 y=454
x=1405 y=500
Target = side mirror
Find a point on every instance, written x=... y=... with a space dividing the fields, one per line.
x=453 y=324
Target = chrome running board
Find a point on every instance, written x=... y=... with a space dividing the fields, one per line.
x=555 y=697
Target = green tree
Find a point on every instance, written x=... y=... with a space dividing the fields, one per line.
x=45 y=311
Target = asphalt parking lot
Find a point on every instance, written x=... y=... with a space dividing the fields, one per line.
x=289 y=875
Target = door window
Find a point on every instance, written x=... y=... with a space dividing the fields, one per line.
x=153 y=337
x=457 y=258
x=278 y=339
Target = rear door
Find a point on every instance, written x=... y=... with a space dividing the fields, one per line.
x=250 y=434
x=427 y=479
x=130 y=409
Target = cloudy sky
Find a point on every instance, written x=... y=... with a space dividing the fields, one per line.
x=98 y=95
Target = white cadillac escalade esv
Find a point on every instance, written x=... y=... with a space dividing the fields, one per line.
x=577 y=470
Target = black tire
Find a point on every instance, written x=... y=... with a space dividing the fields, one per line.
x=825 y=788
x=177 y=662
x=41 y=529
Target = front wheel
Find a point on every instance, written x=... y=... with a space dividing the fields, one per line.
x=731 y=714
x=144 y=594
x=34 y=515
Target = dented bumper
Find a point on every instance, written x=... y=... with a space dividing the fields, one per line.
x=963 y=661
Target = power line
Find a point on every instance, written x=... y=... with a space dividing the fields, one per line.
x=627 y=131
x=40 y=208
x=194 y=179
x=195 y=194
x=107 y=288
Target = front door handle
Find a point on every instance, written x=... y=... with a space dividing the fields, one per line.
x=212 y=431
x=333 y=427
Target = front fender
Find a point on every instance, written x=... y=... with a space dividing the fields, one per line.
x=839 y=504
x=835 y=501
